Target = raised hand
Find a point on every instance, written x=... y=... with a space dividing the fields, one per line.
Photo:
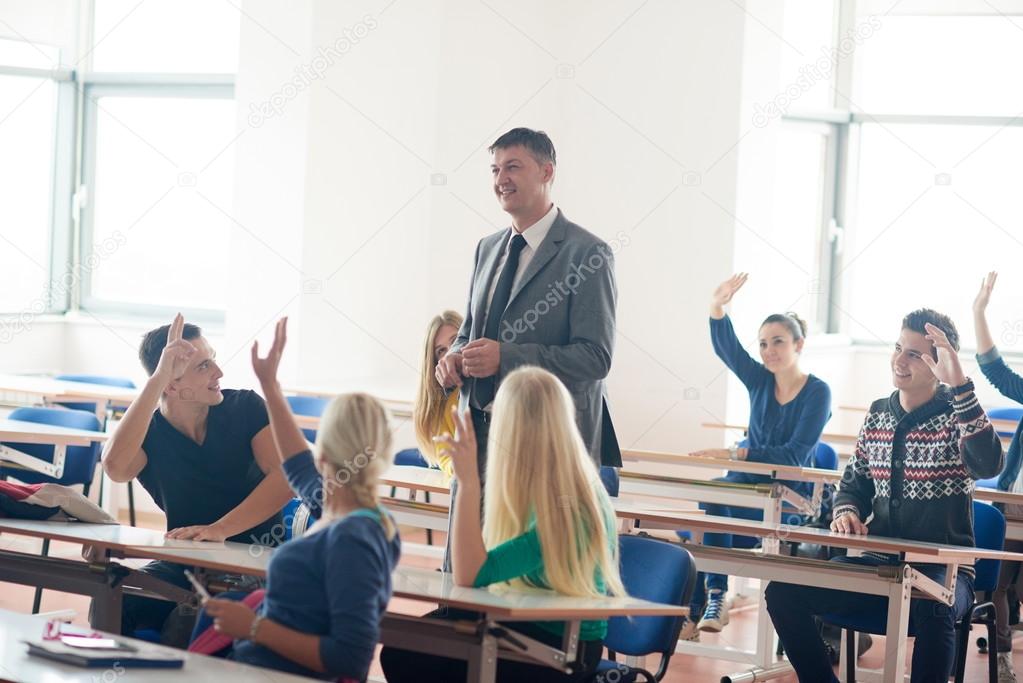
x=725 y=291
x=176 y=354
x=947 y=368
x=984 y=295
x=266 y=368
x=461 y=447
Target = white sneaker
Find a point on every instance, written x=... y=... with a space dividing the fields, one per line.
x=715 y=616
x=1005 y=672
x=690 y=631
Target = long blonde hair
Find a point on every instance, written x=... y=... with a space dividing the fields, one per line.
x=353 y=447
x=428 y=414
x=538 y=467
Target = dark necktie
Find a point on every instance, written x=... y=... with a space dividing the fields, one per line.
x=486 y=387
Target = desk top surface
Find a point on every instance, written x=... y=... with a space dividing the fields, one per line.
x=879 y=544
x=17 y=665
x=427 y=585
x=58 y=389
x=37 y=432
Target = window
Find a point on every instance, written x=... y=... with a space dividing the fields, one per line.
x=158 y=168
x=28 y=120
x=929 y=130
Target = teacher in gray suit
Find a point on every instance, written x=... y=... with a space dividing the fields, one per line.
x=543 y=293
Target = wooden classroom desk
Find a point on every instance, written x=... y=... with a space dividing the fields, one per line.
x=18 y=667
x=21 y=431
x=898 y=582
x=50 y=390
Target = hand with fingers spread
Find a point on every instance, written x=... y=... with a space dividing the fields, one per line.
x=723 y=294
x=987 y=285
x=461 y=447
x=849 y=523
x=176 y=353
x=266 y=368
x=947 y=368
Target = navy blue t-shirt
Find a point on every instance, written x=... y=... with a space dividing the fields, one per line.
x=198 y=484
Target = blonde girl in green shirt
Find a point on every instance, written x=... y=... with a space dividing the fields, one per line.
x=549 y=524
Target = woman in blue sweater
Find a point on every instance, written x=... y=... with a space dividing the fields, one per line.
x=788 y=410
x=325 y=591
x=1009 y=385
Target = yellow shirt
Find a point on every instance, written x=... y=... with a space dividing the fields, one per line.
x=447 y=426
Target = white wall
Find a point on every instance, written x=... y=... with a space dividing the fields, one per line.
x=390 y=149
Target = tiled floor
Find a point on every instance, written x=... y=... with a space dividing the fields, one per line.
x=686 y=669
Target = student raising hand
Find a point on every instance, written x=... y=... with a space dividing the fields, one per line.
x=947 y=368
x=724 y=293
x=266 y=368
x=461 y=447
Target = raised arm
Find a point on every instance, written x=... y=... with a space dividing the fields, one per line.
x=985 y=342
x=979 y=445
x=123 y=457
x=723 y=338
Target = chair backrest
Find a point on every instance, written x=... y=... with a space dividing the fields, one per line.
x=93 y=379
x=1014 y=413
x=410 y=457
x=825 y=457
x=989 y=533
x=79 y=461
x=296 y=519
x=308 y=405
x=657 y=571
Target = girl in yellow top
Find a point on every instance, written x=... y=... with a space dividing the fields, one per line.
x=432 y=415
x=548 y=524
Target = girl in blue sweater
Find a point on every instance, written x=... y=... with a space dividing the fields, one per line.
x=326 y=591
x=788 y=411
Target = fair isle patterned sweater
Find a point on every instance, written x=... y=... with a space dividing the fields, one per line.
x=916 y=471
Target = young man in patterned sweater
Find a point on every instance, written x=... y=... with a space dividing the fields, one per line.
x=912 y=476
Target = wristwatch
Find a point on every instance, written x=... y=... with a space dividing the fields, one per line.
x=733 y=451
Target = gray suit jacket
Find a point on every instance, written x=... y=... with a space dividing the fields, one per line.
x=561 y=317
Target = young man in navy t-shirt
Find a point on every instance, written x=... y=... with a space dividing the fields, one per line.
x=205 y=455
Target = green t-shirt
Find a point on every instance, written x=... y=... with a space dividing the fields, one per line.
x=522 y=557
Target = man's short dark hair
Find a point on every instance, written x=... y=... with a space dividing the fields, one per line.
x=917 y=319
x=536 y=141
x=154 y=342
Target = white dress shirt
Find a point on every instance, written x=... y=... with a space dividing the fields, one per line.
x=534 y=236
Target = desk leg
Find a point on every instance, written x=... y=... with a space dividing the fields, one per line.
x=106 y=610
x=898 y=626
x=483 y=660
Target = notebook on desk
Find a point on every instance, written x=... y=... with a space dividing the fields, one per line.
x=133 y=658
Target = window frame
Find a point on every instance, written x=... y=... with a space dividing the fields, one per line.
x=108 y=84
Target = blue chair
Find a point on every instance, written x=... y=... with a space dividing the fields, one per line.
x=309 y=406
x=656 y=571
x=1014 y=414
x=989 y=533
x=92 y=407
x=79 y=461
x=296 y=519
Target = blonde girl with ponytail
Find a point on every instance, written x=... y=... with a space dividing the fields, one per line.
x=326 y=591
x=432 y=415
x=549 y=523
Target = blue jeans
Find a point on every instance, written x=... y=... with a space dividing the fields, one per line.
x=793 y=609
